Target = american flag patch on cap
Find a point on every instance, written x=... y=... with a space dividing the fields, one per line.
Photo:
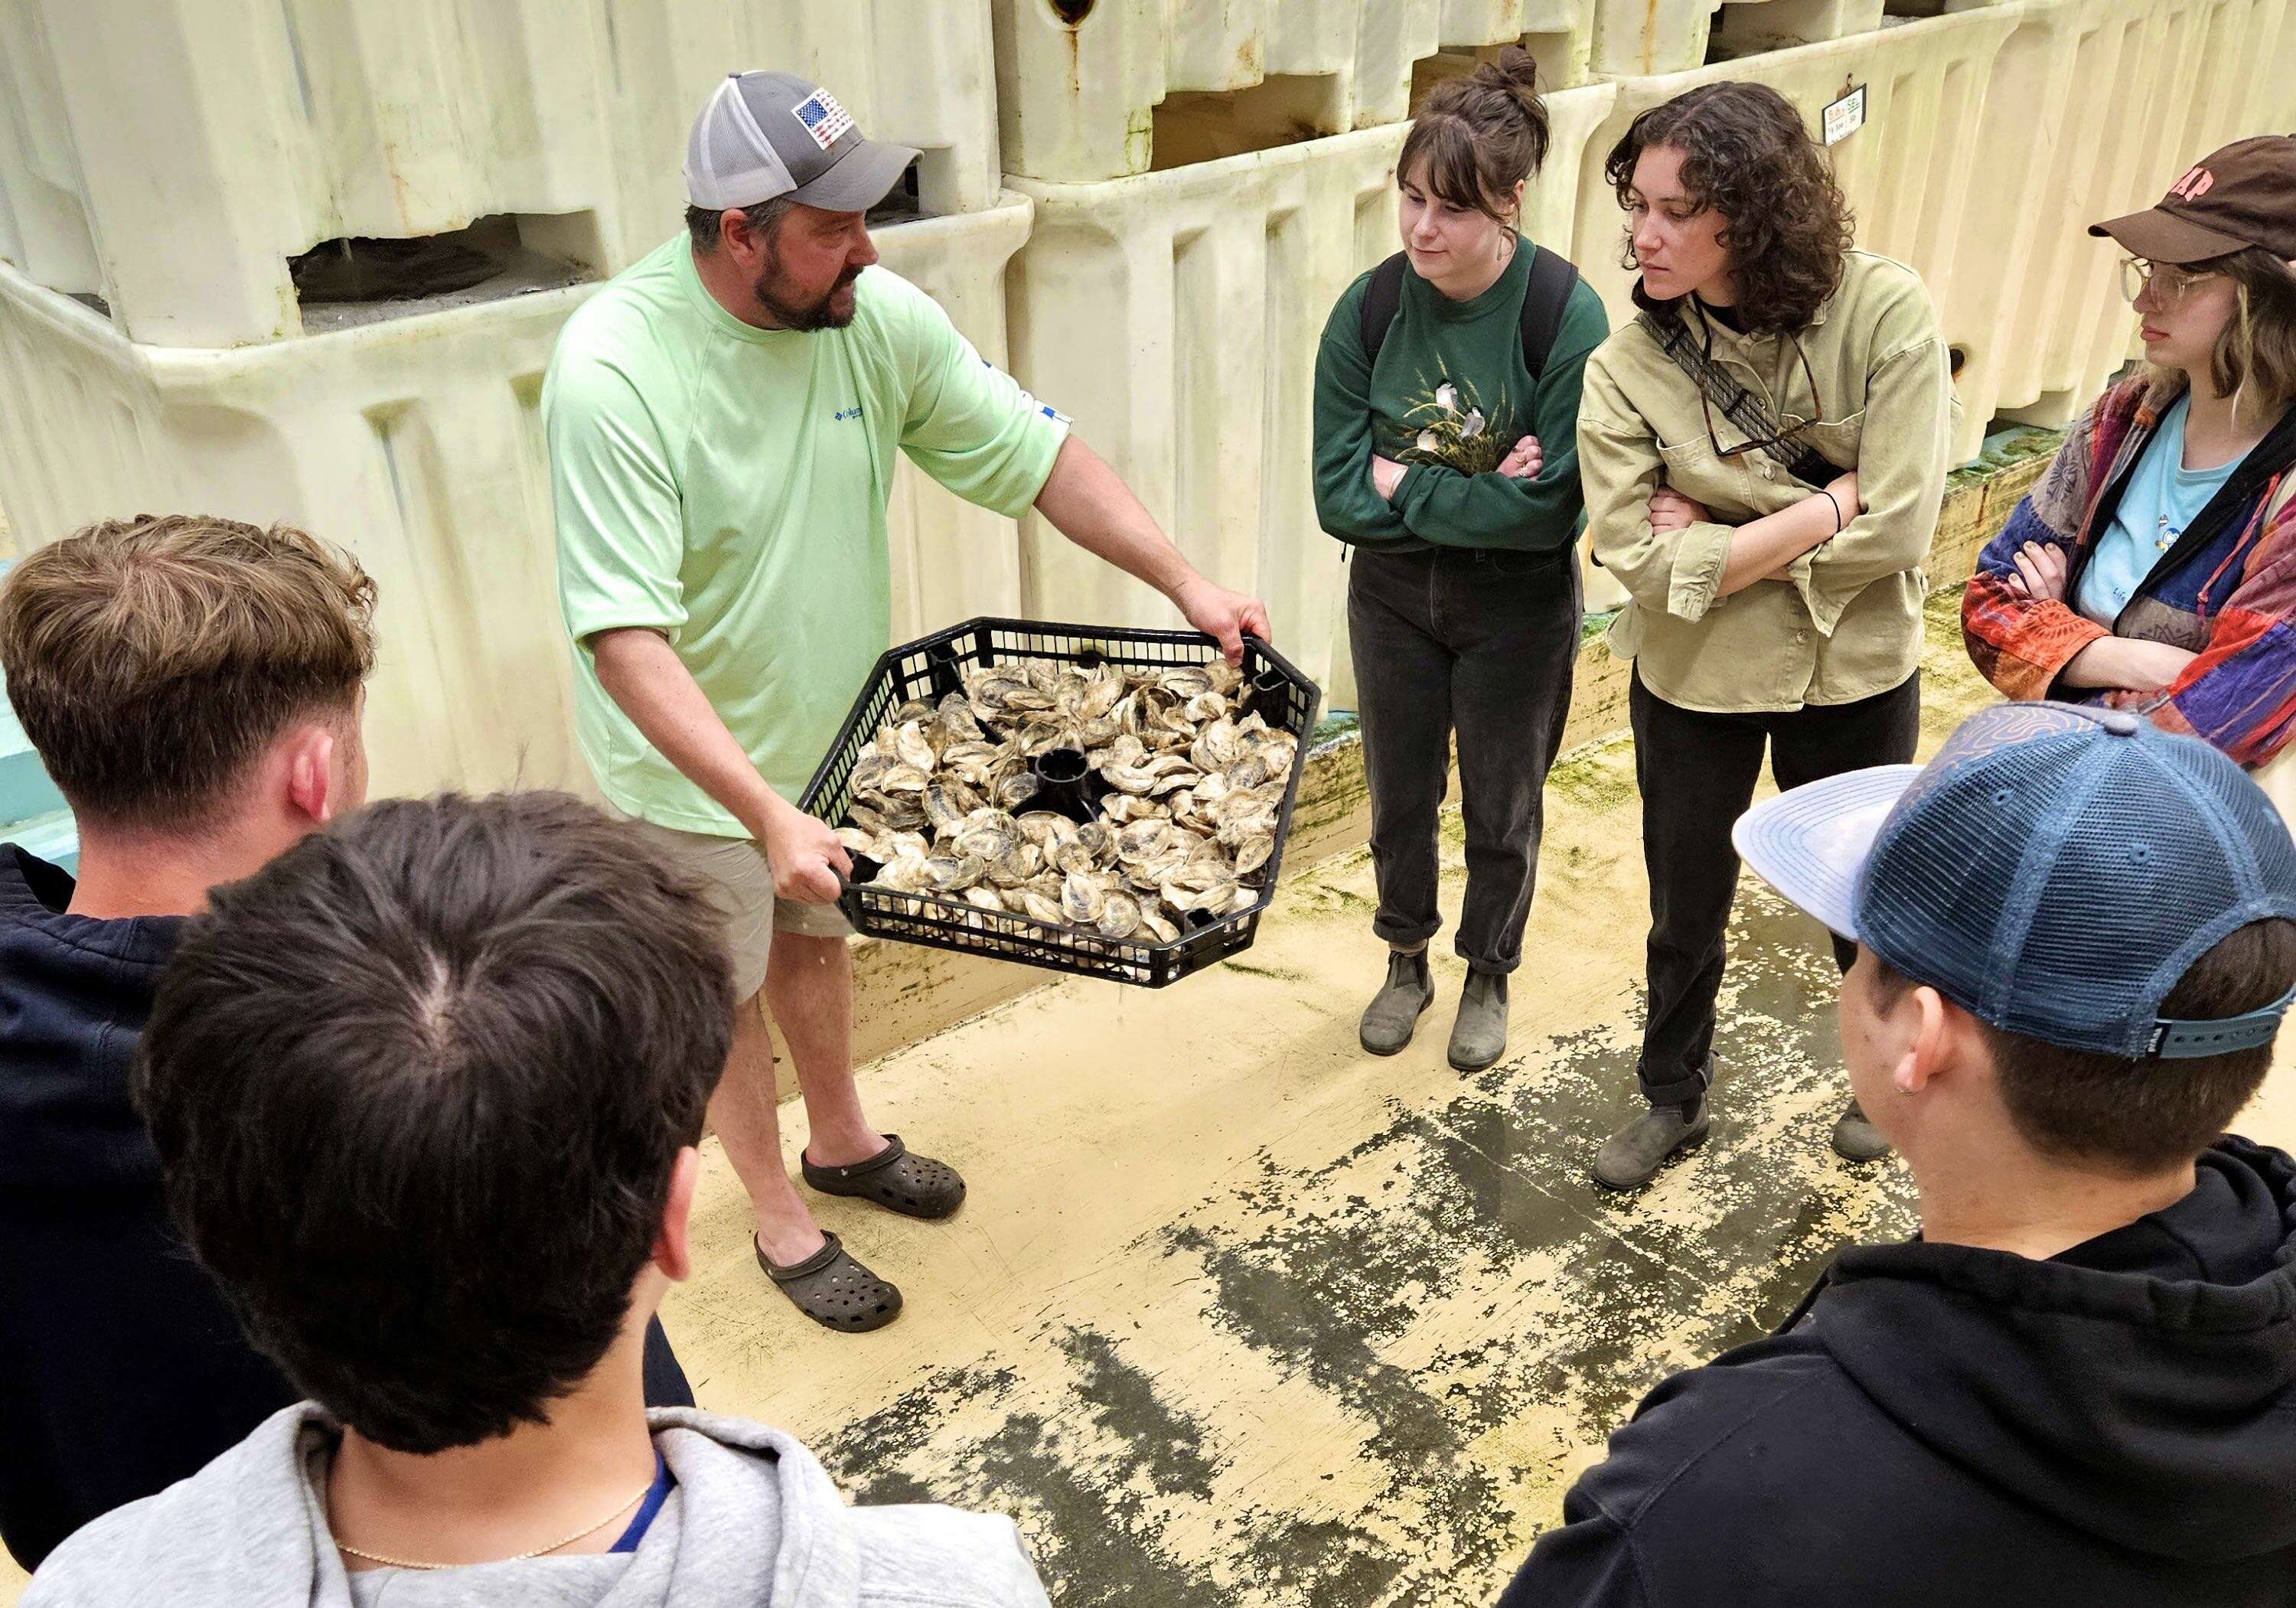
x=823 y=117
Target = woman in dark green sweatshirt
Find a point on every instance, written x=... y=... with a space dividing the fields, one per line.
x=1447 y=395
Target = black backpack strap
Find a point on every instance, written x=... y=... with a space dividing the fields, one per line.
x=2235 y=500
x=1806 y=464
x=1545 y=301
x=1382 y=299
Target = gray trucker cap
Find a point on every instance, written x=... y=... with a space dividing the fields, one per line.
x=764 y=134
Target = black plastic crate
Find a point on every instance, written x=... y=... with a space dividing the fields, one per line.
x=929 y=668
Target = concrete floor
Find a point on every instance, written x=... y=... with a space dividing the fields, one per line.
x=1236 y=1313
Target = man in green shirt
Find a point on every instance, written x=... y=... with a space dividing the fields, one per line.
x=722 y=422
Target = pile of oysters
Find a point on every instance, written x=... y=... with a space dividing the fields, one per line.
x=1133 y=803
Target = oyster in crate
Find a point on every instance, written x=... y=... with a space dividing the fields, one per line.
x=1183 y=785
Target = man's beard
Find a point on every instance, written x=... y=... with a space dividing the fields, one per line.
x=800 y=316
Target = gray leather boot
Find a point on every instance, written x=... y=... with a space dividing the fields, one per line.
x=1393 y=1014
x=1630 y=1157
x=1479 y=1036
x=1855 y=1136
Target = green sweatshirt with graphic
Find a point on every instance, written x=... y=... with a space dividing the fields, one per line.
x=1448 y=397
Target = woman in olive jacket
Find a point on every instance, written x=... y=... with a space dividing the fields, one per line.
x=1764 y=451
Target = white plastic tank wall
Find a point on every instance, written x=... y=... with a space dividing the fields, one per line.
x=417 y=443
x=1176 y=316
x=1101 y=89
x=2033 y=301
x=171 y=155
x=1642 y=37
x=1985 y=152
x=43 y=218
x=1576 y=39
x=1906 y=177
x=1560 y=33
x=918 y=71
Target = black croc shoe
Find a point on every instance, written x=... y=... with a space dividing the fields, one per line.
x=896 y=1178
x=833 y=1289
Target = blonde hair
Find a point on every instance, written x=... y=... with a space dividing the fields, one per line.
x=150 y=660
x=2258 y=348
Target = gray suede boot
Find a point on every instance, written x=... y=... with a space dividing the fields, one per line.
x=1631 y=1156
x=1393 y=1014
x=1479 y=1036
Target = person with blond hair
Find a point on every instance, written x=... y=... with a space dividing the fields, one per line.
x=2154 y=569
x=195 y=687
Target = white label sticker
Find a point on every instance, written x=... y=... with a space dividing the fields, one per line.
x=823 y=117
x=1846 y=116
x=1046 y=408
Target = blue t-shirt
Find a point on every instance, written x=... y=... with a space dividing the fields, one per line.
x=2161 y=499
x=656 y=1495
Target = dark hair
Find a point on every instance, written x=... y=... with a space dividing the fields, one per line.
x=1481 y=135
x=417 y=1088
x=1746 y=153
x=2141 y=1116
x=704 y=223
x=150 y=660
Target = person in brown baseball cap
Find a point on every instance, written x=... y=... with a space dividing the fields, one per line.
x=2146 y=570
x=2243 y=196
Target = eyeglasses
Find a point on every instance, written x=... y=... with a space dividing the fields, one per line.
x=1791 y=426
x=2170 y=285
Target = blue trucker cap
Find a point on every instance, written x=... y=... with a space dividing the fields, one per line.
x=2054 y=871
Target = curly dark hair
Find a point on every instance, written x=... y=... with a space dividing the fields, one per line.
x=1746 y=153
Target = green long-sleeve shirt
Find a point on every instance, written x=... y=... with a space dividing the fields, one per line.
x=1442 y=363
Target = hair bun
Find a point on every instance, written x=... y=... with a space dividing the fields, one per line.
x=1516 y=72
x=1496 y=108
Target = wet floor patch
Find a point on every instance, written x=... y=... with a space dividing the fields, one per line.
x=1360 y=1377
x=1237 y=1314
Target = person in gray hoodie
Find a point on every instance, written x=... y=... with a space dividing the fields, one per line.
x=426 y=1093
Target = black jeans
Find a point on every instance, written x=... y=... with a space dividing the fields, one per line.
x=1697 y=772
x=1482 y=642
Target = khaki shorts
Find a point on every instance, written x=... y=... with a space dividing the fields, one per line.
x=739 y=883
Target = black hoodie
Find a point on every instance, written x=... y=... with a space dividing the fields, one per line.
x=122 y=1368
x=1940 y=1424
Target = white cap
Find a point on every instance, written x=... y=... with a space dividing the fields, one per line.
x=764 y=134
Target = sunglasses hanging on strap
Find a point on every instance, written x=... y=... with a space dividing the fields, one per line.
x=1718 y=389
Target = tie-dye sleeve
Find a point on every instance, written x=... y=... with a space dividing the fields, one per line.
x=2240 y=693
x=2018 y=644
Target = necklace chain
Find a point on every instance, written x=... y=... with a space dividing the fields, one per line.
x=587 y=1530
